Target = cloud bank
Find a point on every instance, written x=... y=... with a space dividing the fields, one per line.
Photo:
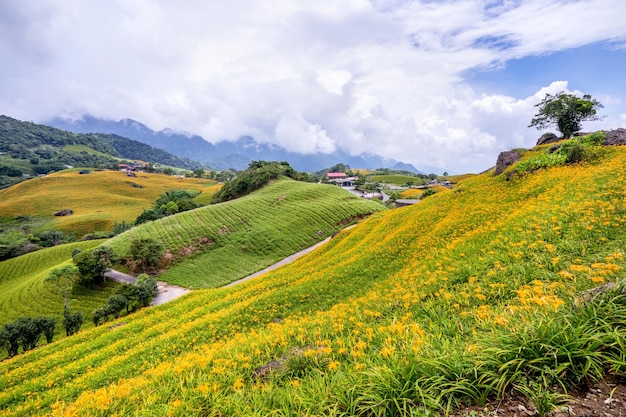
x=383 y=77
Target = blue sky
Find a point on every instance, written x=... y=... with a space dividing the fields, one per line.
x=448 y=83
x=598 y=67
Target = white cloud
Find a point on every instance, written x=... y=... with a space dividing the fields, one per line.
x=383 y=76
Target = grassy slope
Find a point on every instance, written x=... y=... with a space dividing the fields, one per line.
x=429 y=283
x=99 y=199
x=395 y=179
x=249 y=233
x=23 y=291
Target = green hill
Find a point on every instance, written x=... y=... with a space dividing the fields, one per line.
x=29 y=149
x=98 y=200
x=24 y=292
x=220 y=243
x=473 y=295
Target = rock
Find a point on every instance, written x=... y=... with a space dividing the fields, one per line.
x=547 y=138
x=505 y=160
x=264 y=371
x=65 y=212
x=615 y=137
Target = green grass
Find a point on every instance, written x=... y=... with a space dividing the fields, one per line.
x=465 y=297
x=395 y=179
x=23 y=292
x=83 y=148
x=221 y=243
x=99 y=199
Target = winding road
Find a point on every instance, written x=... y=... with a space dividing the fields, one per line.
x=168 y=292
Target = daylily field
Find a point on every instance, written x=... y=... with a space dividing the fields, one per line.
x=474 y=294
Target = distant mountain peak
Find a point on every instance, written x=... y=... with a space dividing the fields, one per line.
x=235 y=154
x=174 y=132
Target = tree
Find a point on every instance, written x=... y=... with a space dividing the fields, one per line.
x=46 y=325
x=93 y=264
x=72 y=322
x=146 y=253
x=198 y=172
x=64 y=278
x=566 y=112
x=116 y=304
x=10 y=337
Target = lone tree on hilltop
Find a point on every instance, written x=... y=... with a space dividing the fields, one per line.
x=566 y=112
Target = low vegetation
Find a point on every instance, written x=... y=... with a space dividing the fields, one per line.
x=257 y=175
x=582 y=149
x=214 y=245
x=118 y=198
x=28 y=149
x=474 y=294
x=25 y=292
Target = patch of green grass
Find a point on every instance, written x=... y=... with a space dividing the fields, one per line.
x=394 y=179
x=83 y=148
x=23 y=292
x=581 y=149
x=221 y=243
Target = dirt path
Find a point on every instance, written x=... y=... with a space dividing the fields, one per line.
x=167 y=292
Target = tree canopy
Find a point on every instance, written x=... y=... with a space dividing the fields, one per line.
x=258 y=174
x=566 y=112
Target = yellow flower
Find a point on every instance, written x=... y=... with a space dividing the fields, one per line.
x=238 y=384
x=333 y=366
x=387 y=351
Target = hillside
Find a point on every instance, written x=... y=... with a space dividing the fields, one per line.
x=31 y=149
x=25 y=294
x=98 y=200
x=215 y=245
x=469 y=297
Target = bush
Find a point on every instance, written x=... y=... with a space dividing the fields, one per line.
x=127 y=296
x=146 y=253
x=116 y=304
x=47 y=325
x=26 y=331
x=72 y=322
x=93 y=264
x=258 y=174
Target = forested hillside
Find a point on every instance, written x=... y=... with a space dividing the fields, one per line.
x=31 y=149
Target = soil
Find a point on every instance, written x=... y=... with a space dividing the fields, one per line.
x=604 y=399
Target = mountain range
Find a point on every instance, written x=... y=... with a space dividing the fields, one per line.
x=227 y=154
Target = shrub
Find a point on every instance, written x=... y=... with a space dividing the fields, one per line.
x=26 y=331
x=72 y=322
x=93 y=264
x=146 y=253
x=47 y=326
x=116 y=304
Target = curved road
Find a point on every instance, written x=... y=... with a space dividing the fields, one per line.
x=169 y=292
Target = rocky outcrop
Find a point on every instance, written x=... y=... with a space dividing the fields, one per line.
x=547 y=138
x=505 y=160
x=615 y=137
x=66 y=212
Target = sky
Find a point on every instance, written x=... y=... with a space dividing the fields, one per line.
x=448 y=83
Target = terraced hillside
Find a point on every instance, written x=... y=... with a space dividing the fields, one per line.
x=470 y=296
x=98 y=200
x=221 y=243
x=23 y=291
